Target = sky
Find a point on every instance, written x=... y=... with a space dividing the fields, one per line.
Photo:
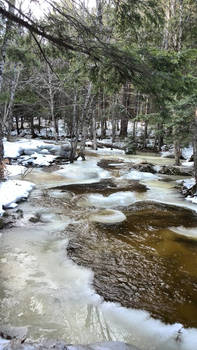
x=39 y=7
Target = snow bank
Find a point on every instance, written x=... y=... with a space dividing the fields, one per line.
x=29 y=147
x=13 y=191
x=14 y=170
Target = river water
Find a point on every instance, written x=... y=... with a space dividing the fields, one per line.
x=134 y=281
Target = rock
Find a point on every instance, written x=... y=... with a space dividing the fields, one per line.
x=105 y=185
x=145 y=167
x=108 y=163
x=175 y=170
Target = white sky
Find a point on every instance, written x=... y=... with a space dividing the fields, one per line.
x=39 y=7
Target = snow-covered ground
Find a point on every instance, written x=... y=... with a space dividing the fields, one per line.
x=32 y=152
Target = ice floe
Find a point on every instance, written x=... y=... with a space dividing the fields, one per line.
x=107 y=216
x=83 y=172
x=139 y=175
x=112 y=201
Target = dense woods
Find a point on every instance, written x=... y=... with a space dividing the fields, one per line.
x=90 y=72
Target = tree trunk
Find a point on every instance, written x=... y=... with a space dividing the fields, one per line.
x=74 y=131
x=2 y=66
x=51 y=102
x=85 y=123
x=17 y=125
x=124 y=116
x=94 y=143
x=177 y=152
x=8 y=118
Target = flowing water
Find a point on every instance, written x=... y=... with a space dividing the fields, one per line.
x=133 y=281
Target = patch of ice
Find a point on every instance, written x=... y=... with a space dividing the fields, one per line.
x=12 y=191
x=83 y=172
x=139 y=175
x=108 y=216
x=148 y=333
x=183 y=231
x=3 y=343
x=112 y=201
x=190 y=164
x=109 y=151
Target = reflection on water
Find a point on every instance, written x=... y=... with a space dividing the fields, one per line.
x=146 y=262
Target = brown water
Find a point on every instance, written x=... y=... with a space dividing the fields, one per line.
x=143 y=264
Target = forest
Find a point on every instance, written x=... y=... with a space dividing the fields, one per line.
x=98 y=68
x=98 y=174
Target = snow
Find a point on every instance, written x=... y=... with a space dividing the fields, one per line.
x=109 y=151
x=14 y=170
x=38 y=159
x=3 y=343
x=187 y=152
x=139 y=175
x=167 y=154
x=28 y=147
x=187 y=183
x=190 y=164
x=13 y=191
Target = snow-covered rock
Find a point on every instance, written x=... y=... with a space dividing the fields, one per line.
x=13 y=191
x=187 y=183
